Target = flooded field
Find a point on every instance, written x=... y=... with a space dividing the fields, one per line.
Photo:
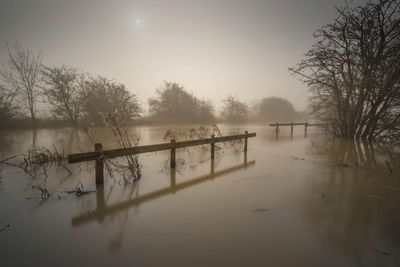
x=301 y=201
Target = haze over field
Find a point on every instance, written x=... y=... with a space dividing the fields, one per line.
x=200 y=133
x=213 y=48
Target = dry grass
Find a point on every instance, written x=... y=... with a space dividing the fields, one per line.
x=198 y=134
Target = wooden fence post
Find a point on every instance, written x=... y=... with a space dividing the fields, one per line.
x=291 y=129
x=100 y=200
x=172 y=159
x=212 y=168
x=173 y=178
x=245 y=141
x=277 y=128
x=305 y=128
x=212 y=148
x=99 y=164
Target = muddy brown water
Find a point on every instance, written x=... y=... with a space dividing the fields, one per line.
x=305 y=201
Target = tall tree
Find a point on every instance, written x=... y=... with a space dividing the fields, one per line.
x=353 y=71
x=63 y=89
x=9 y=108
x=101 y=96
x=22 y=74
x=234 y=110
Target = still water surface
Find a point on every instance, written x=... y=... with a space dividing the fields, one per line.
x=305 y=201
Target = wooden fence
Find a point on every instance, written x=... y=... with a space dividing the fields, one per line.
x=292 y=124
x=99 y=154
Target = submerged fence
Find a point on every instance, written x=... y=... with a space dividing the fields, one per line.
x=292 y=124
x=99 y=154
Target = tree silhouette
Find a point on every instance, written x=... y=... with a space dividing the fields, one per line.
x=174 y=104
x=101 y=96
x=353 y=72
x=234 y=110
x=275 y=109
x=63 y=89
x=9 y=108
x=21 y=75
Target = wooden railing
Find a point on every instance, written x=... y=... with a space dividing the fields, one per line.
x=99 y=154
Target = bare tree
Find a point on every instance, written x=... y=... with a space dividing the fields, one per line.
x=103 y=96
x=63 y=88
x=22 y=74
x=9 y=108
x=353 y=71
x=234 y=110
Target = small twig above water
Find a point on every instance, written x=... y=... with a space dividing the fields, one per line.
x=375 y=196
x=341 y=163
x=79 y=190
x=387 y=164
x=324 y=198
x=4 y=227
x=7 y=159
x=260 y=210
x=45 y=194
x=381 y=252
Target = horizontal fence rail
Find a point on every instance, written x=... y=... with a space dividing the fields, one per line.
x=297 y=124
x=99 y=155
x=114 y=153
x=292 y=124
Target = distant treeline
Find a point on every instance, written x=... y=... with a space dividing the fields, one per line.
x=75 y=98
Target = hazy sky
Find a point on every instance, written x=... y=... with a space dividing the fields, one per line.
x=213 y=47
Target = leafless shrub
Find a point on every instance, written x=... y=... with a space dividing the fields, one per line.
x=193 y=134
x=236 y=144
x=42 y=158
x=130 y=170
x=45 y=194
x=35 y=164
x=37 y=160
x=203 y=133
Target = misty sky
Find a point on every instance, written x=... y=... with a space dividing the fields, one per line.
x=214 y=47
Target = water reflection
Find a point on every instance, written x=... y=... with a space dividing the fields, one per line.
x=341 y=210
x=352 y=153
x=104 y=210
x=353 y=204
